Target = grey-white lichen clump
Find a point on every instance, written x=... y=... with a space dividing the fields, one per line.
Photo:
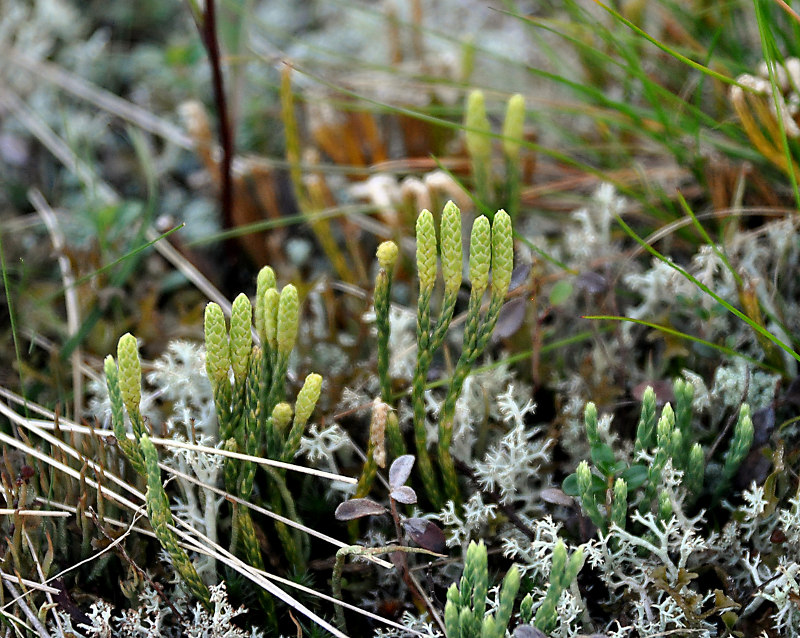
x=155 y=618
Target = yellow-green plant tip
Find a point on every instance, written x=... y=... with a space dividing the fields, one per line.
x=664 y=427
x=480 y=254
x=574 y=566
x=271 y=301
x=619 y=506
x=488 y=627
x=451 y=611
x=695 y=471
x=130 y=372
x=387 y=255
x=452 y=248
x=264 y=281
x=584 y=474
x=241 y=336
x=512 y=579
x=218 y=358
x=307 y=398
x=664 y=506
x=513 y=126
x=559 y=561
x=281 y=416
x=502 y=253
x=479 y=144
x=110 y=367
x=426 y=250
x=676 y=445
x=668 y=413
x=288 y=317
x=590 y=420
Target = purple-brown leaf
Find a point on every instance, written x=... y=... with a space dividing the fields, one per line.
x=425 y=534
x=400 y=470
x=591 y=282
x=763 y=426
x=358 y=507
x=556 y=496
x=510 y=318
x=404 y=494
x=519 y=276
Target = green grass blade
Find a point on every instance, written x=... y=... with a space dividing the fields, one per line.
x=677 y=333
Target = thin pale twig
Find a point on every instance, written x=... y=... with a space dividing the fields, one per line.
x=258 y=577
x=130 y=527
x=43 y=578
x=67 y=426
x=5 y=511
x=264 y=511
x=32 y=584
x=70 y=294
x=32 y=618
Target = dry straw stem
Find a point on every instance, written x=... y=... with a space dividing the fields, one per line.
x=37 y=425
x=32 y=617
x=187 y=542
x=753 y=111
x=43 y=576
x=9 y=512
x=264 y=580
x=70 y=294
x=260 y=510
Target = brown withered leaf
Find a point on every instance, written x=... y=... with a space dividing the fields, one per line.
x=425 y=534
x=357 y=508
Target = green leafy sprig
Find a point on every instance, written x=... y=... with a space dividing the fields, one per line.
x=465 y=611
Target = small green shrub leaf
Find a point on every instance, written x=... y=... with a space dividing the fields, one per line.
x=570 y=485
x=635 y=476
x=603 y=458
x=560 y=292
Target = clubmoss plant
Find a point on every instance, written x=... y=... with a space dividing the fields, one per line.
x=465 y=611
x=125 y=385
x=478 y=133
x=387 y=257
x=487 y=245
x=491 y=245
x=160 y=516
x=513 y=133
x=128 y=447
x=562 y=574
x=606 y=495
x=256 y=420
x=247 y=383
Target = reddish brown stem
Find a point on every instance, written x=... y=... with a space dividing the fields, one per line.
x=208 y=30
